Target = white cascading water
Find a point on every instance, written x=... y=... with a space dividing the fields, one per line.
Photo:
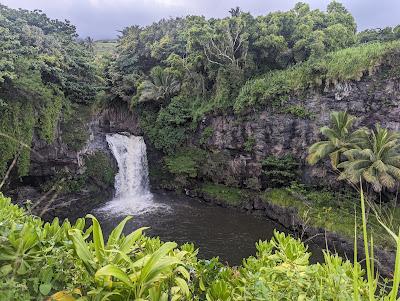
x=132 y=195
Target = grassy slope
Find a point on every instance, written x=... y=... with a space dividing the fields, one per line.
x=104 y=47
x=347 y=64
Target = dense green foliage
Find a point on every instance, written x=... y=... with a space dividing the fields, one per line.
x=347 y=64
x=176 y=71
x=189 y=67
x=71 y=262
x=205 y=54
x=334 y=211
x=168 y=129
x=280 y=171
x=379 y=34
x=173 y=73
x=185 y=162
x=74 y=126
x=224 y=194
x=43 y=70
x=100 y=169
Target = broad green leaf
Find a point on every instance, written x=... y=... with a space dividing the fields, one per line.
x=183 y=286
x=45 y=288
x=81 y=247
x=116 y=233
x=111 y=270
x=152 y=266
x=5 y=269
x=130 y=240
x=98 y=239
x=183 y=271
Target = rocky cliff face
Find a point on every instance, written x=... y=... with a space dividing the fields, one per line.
x=374 y=99
x=57 y=177
x=243 y=141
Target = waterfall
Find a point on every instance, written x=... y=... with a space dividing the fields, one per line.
x=132 y=194
x=132 y=177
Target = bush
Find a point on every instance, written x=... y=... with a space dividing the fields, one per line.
x=225 y=194
x=206 y=134
x=74 y=128
x=298 y=111
x=100 y=169
x=167 y=128
x=280 y=171
x=185 y=162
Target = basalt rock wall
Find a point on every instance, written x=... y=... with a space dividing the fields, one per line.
x=373 y=99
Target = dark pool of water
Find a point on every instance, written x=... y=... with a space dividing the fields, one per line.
x=228 y=233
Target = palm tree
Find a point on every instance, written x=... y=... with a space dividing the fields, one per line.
x=340 y=139
x=377 y=163
x=161 y=86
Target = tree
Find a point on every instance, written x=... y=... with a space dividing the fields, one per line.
x=227 y=43
x=43 y=70
x=235 y=12
x=338 y=14
x=378 y=34
x=377 y=163
x=340 y=139
x=161 y=86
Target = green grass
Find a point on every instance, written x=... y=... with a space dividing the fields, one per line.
x=186 y=161
x=228 y=195
x=333 y=212
x=104 y=47
x=343 y=65
x=283 y=198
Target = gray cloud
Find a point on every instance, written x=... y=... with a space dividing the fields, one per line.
x=103 y=18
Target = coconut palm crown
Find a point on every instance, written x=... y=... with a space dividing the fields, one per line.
x=340 y=138
x=377 y=162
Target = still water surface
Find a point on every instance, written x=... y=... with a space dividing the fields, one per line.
x=228 y=233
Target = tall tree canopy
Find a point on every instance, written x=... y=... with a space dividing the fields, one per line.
x=204 y=51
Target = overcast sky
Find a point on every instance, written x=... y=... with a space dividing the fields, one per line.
x=102 y=19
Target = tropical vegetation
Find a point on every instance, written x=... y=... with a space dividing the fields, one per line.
x=45 y=74
x=67 y=261
x=372 y=155
x=173 y=75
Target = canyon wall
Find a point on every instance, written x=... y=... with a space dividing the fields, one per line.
x=250 y=138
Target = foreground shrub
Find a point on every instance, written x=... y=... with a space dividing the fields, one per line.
x=74 y=262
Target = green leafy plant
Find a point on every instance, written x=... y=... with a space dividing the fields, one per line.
x=249 y=144
x=371 y=155
x=377 y=162
x=280 y=171
x=206 y=134
x=298 y=111
x=99 y=168
x=340 y=139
